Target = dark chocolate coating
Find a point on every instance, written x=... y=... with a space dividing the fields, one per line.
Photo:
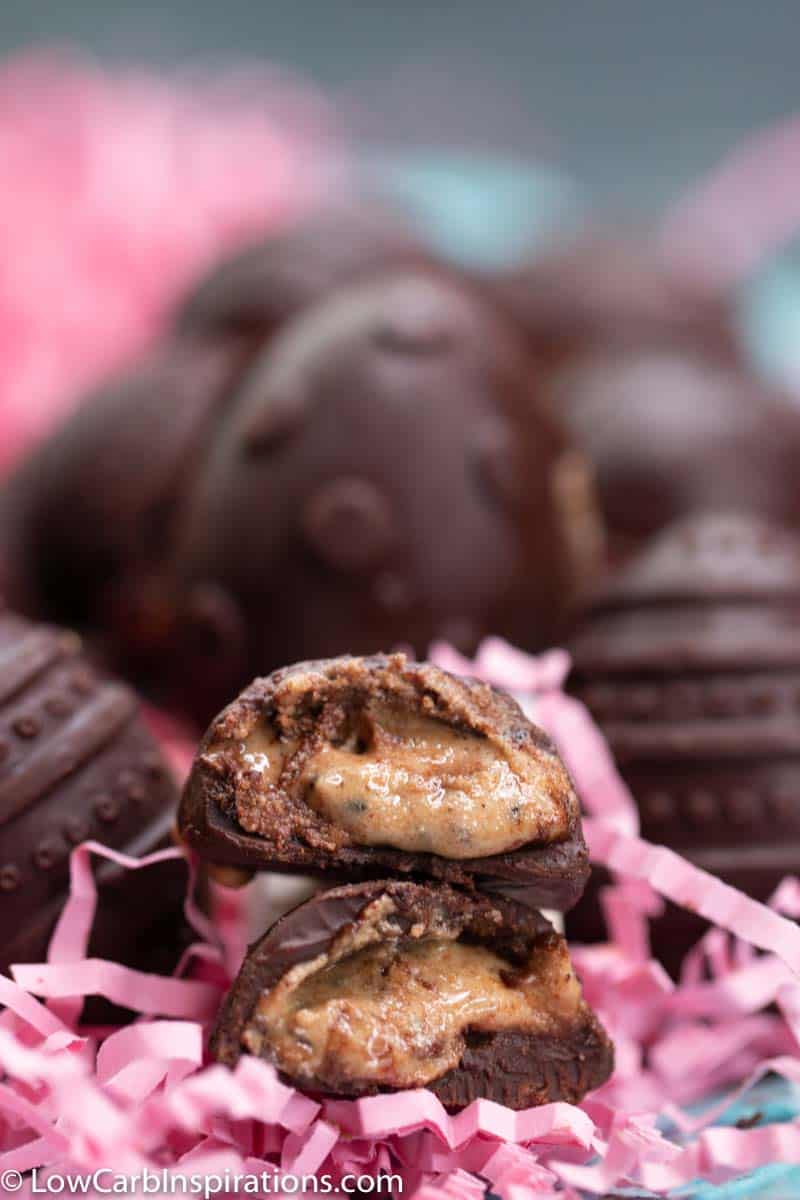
x=514 y=1068
x=673 y=430
x=645 y=364
x=253 y=293
x=605 y=289
x=390 y=476
x=385 y=472
x=554 y=874
x=86 y=516
x=77 y=763
x=690 y=662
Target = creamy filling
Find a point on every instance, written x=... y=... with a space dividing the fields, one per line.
x=416 y=784
x=395 y=1013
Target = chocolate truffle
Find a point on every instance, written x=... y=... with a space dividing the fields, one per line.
x=86 y=516
x=367 y=766
x=77 y=763
x=690 y=662
x=386 y=985
x=602 y=290
x=672 y=431
x=254 y=292
x=390 y=475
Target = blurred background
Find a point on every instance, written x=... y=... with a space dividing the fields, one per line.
x=632 y=99
x=615 y=107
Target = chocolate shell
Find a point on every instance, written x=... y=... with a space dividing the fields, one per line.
x=300 y=773
x=390 y=475
x=690 y=662
x=516 y=1068
x=252 y=294
x=605 y=289
x=384 y=472
x=85 y=518
x=77 y=763
x=671 y=431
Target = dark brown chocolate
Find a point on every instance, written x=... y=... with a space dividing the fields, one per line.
x=690 y=662
x=386 y=472
x=563 y=1061
x=390 y=476
x=77 y=763
x=239 y=810
x=252 y=294
x=85 y=519
x=645 y=364
x=606 y=289
x=672 y=430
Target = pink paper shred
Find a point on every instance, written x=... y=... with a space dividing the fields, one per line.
x=119 y=189
x=145 y=1095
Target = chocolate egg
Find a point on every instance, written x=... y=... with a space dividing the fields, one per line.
x=644 y=362
x=253 y=293
x=604 y=289
x=86 y=514
x=77 y=763
x=389 y=474
x=690 y=661
x=469 y=995
x=671 y=431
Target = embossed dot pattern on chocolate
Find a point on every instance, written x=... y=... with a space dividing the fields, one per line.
x=420 y=482
x=10 y=877
x=107 y=808
x=27 y=727
x=705 y=620
x=69 y=738
x=48 y=853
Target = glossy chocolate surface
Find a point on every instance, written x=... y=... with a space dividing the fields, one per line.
x=390 y=475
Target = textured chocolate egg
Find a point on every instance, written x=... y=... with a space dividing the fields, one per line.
x=690 y=662
x=77 y=763
x=644 y=362
x=389 y=474
x=253 y=293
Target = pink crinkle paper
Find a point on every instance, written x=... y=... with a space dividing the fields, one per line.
x=75 y=1098
x=119 y=187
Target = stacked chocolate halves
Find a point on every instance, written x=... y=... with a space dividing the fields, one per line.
x=452 y=820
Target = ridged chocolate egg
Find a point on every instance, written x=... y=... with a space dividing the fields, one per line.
x=689 y=660
x=78 y=763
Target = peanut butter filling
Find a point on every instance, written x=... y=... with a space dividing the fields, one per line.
x=409 y=782
x=395 y=1012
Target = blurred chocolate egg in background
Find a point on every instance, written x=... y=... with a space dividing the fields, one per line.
x=606 y=289
x=672 y=430
x=391 y=474
x=689 y=660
